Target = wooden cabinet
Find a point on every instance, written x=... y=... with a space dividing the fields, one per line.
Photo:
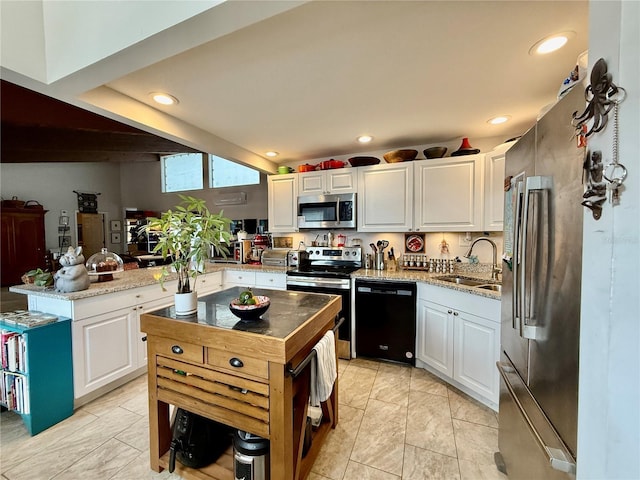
x=282 y=202
x=385 y=198
x=458 y=338
x=340 y=180
x=46 y=374
x=22 y=242
x=448 y=194
x=494 y=187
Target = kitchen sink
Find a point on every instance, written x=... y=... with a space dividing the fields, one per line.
x=492 y=286
x=470 y=282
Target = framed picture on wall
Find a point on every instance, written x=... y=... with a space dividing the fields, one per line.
x=414 y=243
x=115 y=237
x=115 y=225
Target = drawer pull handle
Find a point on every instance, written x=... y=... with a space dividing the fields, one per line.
x=236 y=362
x=144 y=339
x=177 y=349
x=244 y=391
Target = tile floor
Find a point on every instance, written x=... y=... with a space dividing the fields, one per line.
x=396 y=422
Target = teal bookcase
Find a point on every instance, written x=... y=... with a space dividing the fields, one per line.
x=48 y=373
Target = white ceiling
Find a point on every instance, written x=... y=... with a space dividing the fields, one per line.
x=307 y=80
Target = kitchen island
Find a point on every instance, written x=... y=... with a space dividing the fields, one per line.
x=239 y=373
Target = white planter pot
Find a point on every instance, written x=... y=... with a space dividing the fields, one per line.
x=186 y=303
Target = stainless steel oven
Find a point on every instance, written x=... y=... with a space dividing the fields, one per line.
x=328 y=270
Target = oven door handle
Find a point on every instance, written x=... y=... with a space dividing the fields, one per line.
x=318 y=282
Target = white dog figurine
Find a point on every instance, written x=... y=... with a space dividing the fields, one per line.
x=73 y=275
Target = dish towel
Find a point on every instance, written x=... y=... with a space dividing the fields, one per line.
x=323 y=369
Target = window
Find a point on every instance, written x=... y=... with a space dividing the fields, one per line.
x=224 y=173
x=181 y=172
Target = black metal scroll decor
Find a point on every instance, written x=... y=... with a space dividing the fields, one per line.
x=87 y=202
x=602 y=97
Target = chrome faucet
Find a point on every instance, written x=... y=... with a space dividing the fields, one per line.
x=495 y=270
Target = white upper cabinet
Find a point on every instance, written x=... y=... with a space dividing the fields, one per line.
x=385 y=198
x=448 y=194
x=494 y=187
x=340 y=180
x=283 y=199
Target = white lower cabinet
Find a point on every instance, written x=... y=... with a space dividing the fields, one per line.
x=458 y=339
x=107 y=342
x=105 y=348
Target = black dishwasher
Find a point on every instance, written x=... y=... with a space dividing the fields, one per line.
x=386 y=320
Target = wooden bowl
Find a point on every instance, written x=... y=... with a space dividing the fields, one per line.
x=363 y=161
x=400 y=156
x=435 y=152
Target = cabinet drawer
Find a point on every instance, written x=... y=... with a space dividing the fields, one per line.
x=178 y=349
x=238 y=364
x=230 y=399
x=276 y=281
x=239 y=277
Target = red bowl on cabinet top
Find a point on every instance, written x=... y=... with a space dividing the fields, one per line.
x=330 y=164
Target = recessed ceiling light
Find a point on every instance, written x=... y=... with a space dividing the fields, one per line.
x=164 y=98
x=551 y=43
x=499 y=119
x=272 y=154
x=365 y=138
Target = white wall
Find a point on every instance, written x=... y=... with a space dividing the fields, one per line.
x=121 y=185
x=52 y=184
x=141 y=188
x=609 y=389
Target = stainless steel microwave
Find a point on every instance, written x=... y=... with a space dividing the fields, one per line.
x=327 y=211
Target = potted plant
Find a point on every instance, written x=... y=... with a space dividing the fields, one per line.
x=185 y=237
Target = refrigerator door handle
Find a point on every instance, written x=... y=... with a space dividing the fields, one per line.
x=557 y=458
x=516 y=310
x=528 y=330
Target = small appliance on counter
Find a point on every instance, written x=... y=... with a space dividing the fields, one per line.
x=197 y=441
x=274 y=258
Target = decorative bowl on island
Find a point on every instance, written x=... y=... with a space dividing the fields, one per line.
x=250 y=312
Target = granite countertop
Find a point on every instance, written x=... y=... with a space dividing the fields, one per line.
x=144 y=277
x=129 y=279
x=433 y=278
x=287 y=312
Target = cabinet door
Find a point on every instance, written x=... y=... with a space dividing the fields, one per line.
x=104 y=349
x=477 y=348
x=282 y=199
x=341 y=180
x=385 y=198
x=22 y=242
x=435 y=336
x=494 y=190
x=449 y=194
x=311 y=183
x=209 y=283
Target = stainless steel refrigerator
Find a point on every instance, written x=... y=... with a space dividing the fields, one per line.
x=541 y=298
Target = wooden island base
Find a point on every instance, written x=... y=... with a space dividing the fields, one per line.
x=241 y=375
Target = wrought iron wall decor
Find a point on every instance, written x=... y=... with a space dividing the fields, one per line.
x=602 y=96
